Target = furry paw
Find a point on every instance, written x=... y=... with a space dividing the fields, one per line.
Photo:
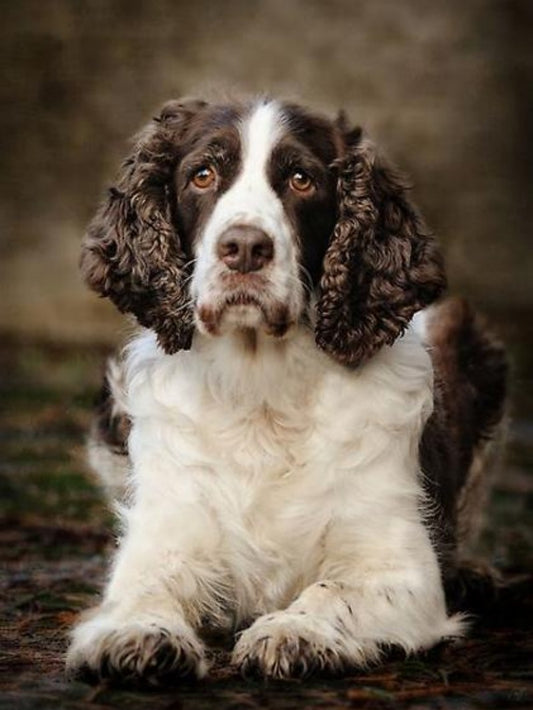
x=290 y=644
x=141 y=654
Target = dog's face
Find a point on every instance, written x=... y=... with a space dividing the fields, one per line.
x=255 y=206
x=259 y=216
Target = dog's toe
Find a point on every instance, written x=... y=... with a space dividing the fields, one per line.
x=140 y=655
x=287 y=645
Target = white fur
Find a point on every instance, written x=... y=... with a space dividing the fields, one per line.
x=257 y=475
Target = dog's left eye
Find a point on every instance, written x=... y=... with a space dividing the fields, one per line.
x=301 y=182
x=204 y=177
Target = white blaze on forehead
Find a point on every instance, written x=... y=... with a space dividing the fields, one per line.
x=260 y=132
x=251 y=199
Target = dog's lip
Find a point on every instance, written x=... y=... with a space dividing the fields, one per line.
x=211 y=311
x=276 y=319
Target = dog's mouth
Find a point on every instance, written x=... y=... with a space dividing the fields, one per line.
x=243 y=299
x=243 y=310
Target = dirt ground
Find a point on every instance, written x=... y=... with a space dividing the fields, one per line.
x=55 y=533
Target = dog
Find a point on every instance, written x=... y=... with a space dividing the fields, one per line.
x=297 y=437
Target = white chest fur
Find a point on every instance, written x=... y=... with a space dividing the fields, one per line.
x=258 y=452
x=273 y=485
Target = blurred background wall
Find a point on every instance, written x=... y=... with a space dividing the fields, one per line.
x=444 y=87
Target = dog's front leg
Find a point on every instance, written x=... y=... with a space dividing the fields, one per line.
x=371 y=595
x=163 y=581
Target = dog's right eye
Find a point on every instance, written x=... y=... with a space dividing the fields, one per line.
x=204 y=177
x=300 y=182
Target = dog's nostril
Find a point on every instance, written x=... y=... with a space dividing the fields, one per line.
x=228 y=249
x=263 y=250
x=245 y=249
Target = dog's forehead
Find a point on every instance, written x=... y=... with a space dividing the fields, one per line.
x=318 y=134
x=212 y=120
x=267 y=121
x=284 y=124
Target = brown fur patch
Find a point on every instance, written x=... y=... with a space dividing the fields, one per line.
x=470 y=388
x=111 y=425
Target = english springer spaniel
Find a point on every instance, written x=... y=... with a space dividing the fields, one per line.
x=296 y=452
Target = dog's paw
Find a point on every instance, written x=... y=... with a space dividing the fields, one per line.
x=290 y=644
x=140 y=654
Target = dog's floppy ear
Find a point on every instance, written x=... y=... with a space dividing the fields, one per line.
x=381 y=265
x=132 y=252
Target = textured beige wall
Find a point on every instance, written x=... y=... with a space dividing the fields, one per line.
x=444 y=87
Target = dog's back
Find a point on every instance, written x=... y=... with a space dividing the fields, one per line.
x=463 y=436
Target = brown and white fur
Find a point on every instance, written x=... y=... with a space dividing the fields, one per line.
x=288 y=445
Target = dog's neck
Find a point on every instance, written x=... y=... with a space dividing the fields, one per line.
x=251 y=366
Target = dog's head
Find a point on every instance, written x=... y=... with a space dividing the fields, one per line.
x=260 y=216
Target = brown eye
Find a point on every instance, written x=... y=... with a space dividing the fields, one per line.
x=300 y=181
x=204 y=177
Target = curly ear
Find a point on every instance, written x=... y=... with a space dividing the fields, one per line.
x=132 y=252
x=381 y=265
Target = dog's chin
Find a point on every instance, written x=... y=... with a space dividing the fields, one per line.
x=247 y=316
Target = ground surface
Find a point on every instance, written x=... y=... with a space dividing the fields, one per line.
x=55 y=531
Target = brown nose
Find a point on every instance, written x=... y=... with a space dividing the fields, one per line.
x=245 y=249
